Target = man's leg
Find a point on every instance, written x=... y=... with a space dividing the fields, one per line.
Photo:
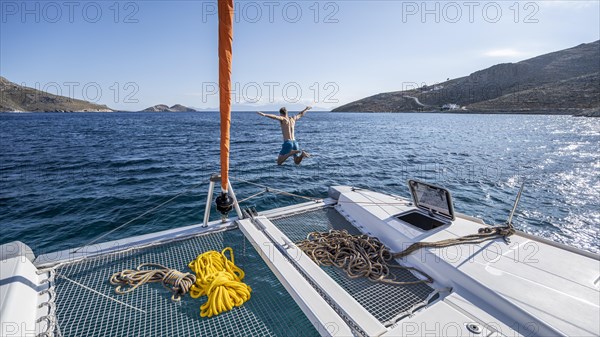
x=301 y=154
x=286 y=151
x=283 y=158
x=298 y=159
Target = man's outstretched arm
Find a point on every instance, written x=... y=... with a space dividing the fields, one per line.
x=269 y=116
x=301 y=114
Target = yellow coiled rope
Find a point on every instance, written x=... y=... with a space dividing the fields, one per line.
x=220 y=280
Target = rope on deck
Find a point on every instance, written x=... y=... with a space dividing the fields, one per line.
x=176 y=282
x=483 y=234
x=358 y=255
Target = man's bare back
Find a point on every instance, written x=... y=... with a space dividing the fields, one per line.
x=290 y=145
x=288 y=126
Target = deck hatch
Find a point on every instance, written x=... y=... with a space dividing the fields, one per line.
x=422 y=221
x=432 y=199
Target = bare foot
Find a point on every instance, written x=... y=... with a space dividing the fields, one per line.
x=284 y=157
x=298 y=160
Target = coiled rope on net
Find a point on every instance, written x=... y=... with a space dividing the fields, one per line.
x=176 y=282
x=357 y=255
x=220 y=280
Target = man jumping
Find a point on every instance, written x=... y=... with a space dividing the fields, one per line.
x=290 y=145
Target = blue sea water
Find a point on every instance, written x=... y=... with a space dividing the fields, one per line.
x=67 y=178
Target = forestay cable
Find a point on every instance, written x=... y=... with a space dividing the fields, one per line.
x=137 y=217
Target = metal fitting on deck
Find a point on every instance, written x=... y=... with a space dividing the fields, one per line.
x=224 y=204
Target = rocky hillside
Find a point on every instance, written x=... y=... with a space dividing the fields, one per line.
x=166 y=108
x=595 y=112
x=566 y=81
x=14 y=97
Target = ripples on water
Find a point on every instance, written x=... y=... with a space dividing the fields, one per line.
x=66 y=178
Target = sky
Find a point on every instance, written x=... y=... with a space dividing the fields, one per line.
x=131 y=55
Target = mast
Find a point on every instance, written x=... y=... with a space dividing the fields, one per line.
x=226 y=200
x=225 y=54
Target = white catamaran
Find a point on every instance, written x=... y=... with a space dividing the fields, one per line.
x=358 y=262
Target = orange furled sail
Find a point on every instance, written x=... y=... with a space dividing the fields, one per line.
x=225 y=55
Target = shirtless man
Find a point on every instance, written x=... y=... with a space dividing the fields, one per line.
x=290 y=145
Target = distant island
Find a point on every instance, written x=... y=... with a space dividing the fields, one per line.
x=17 y=98
x=166 y=108
x=562 y=82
